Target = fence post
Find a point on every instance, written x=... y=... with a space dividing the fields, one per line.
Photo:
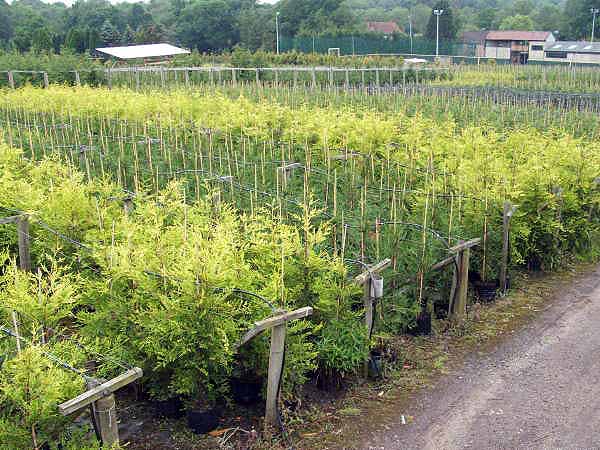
x=77 y=79
x=233 y=79
x=257 y=75
x=162 y=77
x=331 y=77
x=347 y=79
x=24 y=243
x=377 y=77
x=314 y=77
x=275 y=368
x=104 y=414
x=46 y=82
x=295 y=75
x=276 y=77
x=11 y=79
x=462 y=284
x=509 y=210
x=109 y=79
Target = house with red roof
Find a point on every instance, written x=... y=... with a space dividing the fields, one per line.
x=385 y=28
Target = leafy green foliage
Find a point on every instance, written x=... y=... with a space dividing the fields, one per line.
x=31 y=387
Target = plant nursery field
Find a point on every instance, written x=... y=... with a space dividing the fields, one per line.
x=160 y=226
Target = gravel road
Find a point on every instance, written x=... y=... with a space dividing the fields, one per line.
x=539 y=390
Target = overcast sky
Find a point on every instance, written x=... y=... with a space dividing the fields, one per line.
x=70 y=2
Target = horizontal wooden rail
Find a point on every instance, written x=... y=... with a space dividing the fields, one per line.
x=103 y=390
x=465 y=245
x=363 y=277
x=274 y=321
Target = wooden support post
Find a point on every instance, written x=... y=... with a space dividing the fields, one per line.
x=276 y=77
x=509 y=210
x=365 y=280
x=257 y=74
x=347 y=78
x=11 y=80
x=24 y=243
x=233 y=79
x=104 y=415
x=219 y=77
x=377 y=81
x=331 y=77
x=278 y=325
x=77 y=79
x=109 y=79
x=275 y=373
x=46 y=82
x=295 y=75
x=314 y=77
x=462 y=284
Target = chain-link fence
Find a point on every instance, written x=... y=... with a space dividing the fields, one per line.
x=352 y=45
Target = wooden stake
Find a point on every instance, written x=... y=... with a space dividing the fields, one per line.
x=24 y=244
x=460 y=304
x=104 y=413
x=275 y=373
x=46 y=82
x=11 y=80
x=508 y=212
x=278 y=325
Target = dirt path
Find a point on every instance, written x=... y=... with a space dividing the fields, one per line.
x=539 y=389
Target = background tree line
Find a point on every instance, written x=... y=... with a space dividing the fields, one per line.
x=215 y=25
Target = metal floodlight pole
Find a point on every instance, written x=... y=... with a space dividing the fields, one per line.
x=438 y=13
x=594 y=11
x=277 y=29
x=410 y=33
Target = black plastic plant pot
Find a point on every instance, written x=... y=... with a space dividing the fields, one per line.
x=423 y=325
x=534 y=264
x=201 y=421
x=247 y=390
x=375 y=364
x=486 y=291
x=171 y=408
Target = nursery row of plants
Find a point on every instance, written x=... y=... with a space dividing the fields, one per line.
x=543 y=78
x=164 y=224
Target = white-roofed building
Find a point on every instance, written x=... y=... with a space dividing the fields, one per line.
x=574 y=52
x=145 y=52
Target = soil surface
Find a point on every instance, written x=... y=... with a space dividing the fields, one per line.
x=539 y=389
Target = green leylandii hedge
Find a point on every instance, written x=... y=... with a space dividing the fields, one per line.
x=164 y=287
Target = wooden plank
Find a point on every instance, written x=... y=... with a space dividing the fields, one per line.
x=464 y=245
x=443 y=263
x=105 y=416
x=24 y=244
x=274 y=321
x=460 y=308
x=11 y=219
x=275 y=372
x=509 y=210
x=363 y=277
x=103 y=390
